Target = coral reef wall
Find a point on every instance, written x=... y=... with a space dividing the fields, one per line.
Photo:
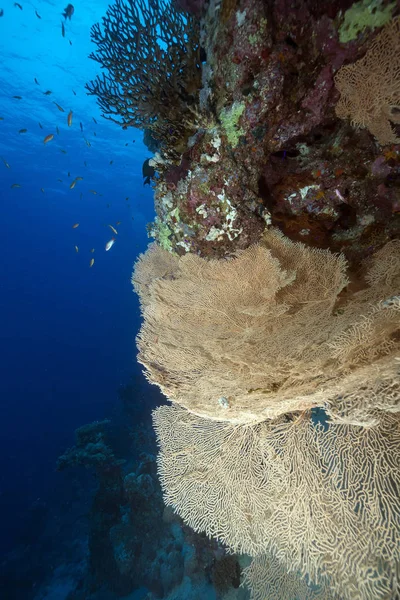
x=270 y=148
x=270 y=300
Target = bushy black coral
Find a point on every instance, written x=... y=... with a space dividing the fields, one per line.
x=151 y=54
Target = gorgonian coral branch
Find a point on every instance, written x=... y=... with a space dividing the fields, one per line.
x=151 y=54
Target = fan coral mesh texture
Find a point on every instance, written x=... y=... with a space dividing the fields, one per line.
x=261 y=334
x=322 y=500
x=267 y=578
x=370 y=88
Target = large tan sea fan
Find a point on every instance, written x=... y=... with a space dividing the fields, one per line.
x=322 y=500
x=370 y=88
x=270 y=331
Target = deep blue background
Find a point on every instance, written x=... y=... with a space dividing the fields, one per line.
x=67 y=330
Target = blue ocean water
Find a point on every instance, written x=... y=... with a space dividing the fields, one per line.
x=67 y=329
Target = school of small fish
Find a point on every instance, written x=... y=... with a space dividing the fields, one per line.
x=49 y=137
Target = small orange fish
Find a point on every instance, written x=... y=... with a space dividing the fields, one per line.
x=60 y=108
x=91 y=262
x=73 y=184
x=15 y=185
x=113 y=229
x=76 y=249
x=48 y=138
x=109 y=244
x=69 y=118
x=75 y=225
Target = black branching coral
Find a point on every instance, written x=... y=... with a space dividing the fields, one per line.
x=151 y=56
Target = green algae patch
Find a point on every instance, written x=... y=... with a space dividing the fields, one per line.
x=364 y=15
x=230 y=120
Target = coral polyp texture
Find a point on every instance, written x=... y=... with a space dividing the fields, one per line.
x=370 y=88
x=267 y=332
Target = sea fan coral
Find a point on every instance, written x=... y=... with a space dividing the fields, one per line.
x=261 y=334
x=151 y=52
x=370 y=88
x=247 y=348
x=322 y=499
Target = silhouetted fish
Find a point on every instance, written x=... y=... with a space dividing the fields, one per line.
x=147 y=171
x=1 y=12
x=68 y=11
